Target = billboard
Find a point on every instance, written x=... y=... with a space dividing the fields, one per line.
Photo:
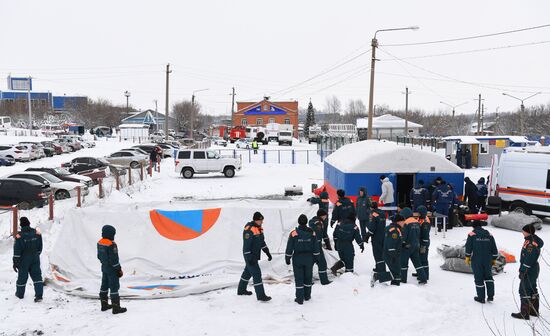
x=19 y=83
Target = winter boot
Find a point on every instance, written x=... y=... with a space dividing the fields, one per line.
x=38 y=299
x=117 y=309
x=490 y=299
x=327 y=243
x=414 y=275
x=478 y=299
x=334 y=269
x=105 y=303
x=244 y=292
x=534 y=307
x=298 y=301
x=396 y=283
x=524 y=311
x=264 y=298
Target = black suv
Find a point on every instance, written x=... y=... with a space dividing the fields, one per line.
x=85 y=163
x=25 y=193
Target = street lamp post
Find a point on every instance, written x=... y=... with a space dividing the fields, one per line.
x=453 y=106
x=374 y=45
x=192 y=121
x=127 y=94
x=522 y=106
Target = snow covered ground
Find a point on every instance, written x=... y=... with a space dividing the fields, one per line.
x=348 y=306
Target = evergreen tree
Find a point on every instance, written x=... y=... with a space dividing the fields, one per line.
x=310 y=118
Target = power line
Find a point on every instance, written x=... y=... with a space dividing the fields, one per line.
x=467 y=37
x=290 y=88
x=474 y=50
x=353 y=75
x=451 y=78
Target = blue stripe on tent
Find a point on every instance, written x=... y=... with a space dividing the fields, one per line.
x=153 y=286
x=351 y=182
x=191 y=219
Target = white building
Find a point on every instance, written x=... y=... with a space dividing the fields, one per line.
x=386 y=126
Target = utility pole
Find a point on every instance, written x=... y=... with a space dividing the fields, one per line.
x=232 y=107
x=156 y=116
x=482 y=115
x=29 y=103
x=167 y=107
x=522 y=106
x=192 y=121
x=406 y=111
x=374 y=45
x=479 y=114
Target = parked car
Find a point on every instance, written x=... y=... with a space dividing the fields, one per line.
x=135 y=149
x=187 y=142
x=35 y=154
x=167 y=150
x=220 y=142
x=65 y=175
x=146 y=148
x=57 y=148
x=127 y=159
x=85 y=163
x=23 y=192
x=243 y=143
x=38 y=147
x=200 y=161
x=72 y=145
x=60 y=189
x=17 y=152
x=6 y=161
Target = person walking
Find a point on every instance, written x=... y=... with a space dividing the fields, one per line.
x=26 y=259
x=253 y=244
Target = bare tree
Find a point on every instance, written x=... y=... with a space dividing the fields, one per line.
x=333 y=105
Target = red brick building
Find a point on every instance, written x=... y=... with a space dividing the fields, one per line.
x=264 y=112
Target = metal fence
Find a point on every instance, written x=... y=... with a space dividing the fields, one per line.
x=433 y=143
x=277 y=156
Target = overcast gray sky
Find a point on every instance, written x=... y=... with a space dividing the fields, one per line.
x=102 y=48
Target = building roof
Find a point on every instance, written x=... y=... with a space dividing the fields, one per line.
x=133 y=126
x=373 y=156
x=145 y=117
x=386 y=121
x=475 y=139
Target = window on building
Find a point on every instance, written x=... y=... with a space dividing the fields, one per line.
x=271 y=120
x=244 y=122
x=266 y=107
x=259 y=121
x=483 y=147
x=287 y=121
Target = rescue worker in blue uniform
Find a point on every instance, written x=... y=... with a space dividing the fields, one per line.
x=318 y=224
x=253 y=244
x=470 y=195
x=393 y=242
x=344 y=235
x=411 y=247
x=458 y=155
x=343 y=207
x=323 y=202
x=26 y=259
x=419 y=196
x=425 y=227
x=376 y=231
x=529 y=273
x=107 y=253
x=303 y=248
x=363 y=207
x=481 y=254
x=443 y=198
x=468 y=158
x=482 y=193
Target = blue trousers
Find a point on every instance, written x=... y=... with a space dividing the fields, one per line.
x=30 y=265
x=483 y=278
x=109 y=282
x=394 y=266
x=322 y=265
x=252 y=270
x=302 y=265
x=414 y=255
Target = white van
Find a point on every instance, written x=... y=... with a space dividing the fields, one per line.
x=523 y=180
x=5 y=122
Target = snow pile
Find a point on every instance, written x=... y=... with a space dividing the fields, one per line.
x=371 y=156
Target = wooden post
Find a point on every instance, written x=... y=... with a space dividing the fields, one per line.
x=15 y=216
x=150 y=168
x=100 y=183
x=50 y=207
x=141 y=171
x=129 y=176
x=117 y=181
x=158 y=166
x=78 y=198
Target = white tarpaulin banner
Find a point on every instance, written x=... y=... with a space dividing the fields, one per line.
x=171 y=249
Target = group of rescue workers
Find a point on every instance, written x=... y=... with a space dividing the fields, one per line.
x=406 y=238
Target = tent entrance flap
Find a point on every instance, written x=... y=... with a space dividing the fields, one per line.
x=405 y=182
